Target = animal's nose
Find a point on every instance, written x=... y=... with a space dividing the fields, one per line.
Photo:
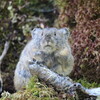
x=48 y=37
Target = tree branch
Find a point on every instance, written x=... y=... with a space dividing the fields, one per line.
x=60 y=82
x=6 y=47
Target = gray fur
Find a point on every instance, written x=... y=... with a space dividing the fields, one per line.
x=50 y=46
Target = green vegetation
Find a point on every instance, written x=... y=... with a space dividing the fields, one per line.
x=87 y=84
x=34 y=91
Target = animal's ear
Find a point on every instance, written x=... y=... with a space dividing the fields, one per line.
x=35 y=31
x=65 y=31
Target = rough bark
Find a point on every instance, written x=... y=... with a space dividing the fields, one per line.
x=59 y=82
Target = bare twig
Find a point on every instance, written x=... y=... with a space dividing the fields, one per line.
x=37 y=19
x=43 y=10
x=0 y=82
x=6 y=47
x=21 y=7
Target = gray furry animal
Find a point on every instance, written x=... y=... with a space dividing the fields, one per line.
x=50 y=46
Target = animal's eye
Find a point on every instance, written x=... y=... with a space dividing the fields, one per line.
x=54 y=34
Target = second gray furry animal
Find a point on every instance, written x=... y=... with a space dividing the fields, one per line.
x=50 y=46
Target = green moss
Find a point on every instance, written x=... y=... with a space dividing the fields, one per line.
x=34 y=91
x=87 y=84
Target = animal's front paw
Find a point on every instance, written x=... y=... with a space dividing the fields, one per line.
x=34 y=64
x=32 y=61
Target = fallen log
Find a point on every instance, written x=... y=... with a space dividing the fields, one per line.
x=60 y=82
